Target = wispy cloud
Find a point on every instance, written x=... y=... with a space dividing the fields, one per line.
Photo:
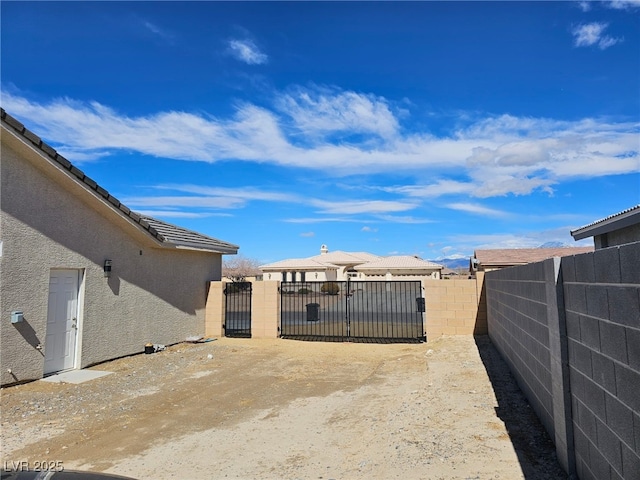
x=403 y=219
x=486 y=157
x=311 y=220
x=158 y=31
x=321 y=111
x=622 y=4
x=180 y=214
x=585 y=6
x=356 y=207
x=587 y=35
x=246 y=51
x=477 y=209
x=531 y=239
x=308 y=234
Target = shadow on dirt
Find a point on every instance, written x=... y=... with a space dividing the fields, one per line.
x=532 y=444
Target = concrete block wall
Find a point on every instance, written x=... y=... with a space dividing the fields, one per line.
x=602 y=303
x=452 y=307
x=583 y=379
x=517 y=321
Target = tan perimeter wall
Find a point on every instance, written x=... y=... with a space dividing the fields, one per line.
x=453 y=307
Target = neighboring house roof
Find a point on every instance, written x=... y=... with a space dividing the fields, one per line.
x=521 y=256
x=298 y=264
x=345 y=258
x=626 y=218
x=165 y=234
x=399 y=262
x=361 y=261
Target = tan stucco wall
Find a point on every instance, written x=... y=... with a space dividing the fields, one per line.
x=265 y=310
x=214 y=317
x=455 y=307
x=154 y=295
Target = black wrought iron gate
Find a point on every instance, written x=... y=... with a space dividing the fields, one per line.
x=237 y=310
x=358 y=311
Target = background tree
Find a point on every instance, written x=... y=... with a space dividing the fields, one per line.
x=238 y=267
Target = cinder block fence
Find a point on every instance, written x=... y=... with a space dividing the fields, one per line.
x=569 y=328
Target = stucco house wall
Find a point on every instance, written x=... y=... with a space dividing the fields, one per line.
x=49 y=221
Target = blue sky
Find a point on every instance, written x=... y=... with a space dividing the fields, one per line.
x=422 y=128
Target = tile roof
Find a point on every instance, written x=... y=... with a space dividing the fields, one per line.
x=521 y=256
x=168 y=235
x=300 y=264
x=616 y=221
x=184 y=238
x=399 y=262
x=345 y=258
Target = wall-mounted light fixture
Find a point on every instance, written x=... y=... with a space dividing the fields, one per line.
x=107 y=268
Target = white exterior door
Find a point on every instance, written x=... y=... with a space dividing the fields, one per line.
x=62 y=321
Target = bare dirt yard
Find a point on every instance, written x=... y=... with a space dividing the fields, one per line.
x=283 y=409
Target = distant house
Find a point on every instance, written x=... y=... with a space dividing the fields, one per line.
x=618 y=229
x=83 y=278
x=495 y=259
x=339 y=265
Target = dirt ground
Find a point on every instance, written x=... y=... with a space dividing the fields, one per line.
x=283 y=409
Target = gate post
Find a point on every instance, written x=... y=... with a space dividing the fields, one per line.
x=214 y=310
x=265 y=309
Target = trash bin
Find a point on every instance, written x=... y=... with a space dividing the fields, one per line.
x=420 y=305
x=313 y=312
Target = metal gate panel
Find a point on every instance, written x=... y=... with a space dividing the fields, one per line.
x=237 y=310
x=313 y=310
x=358 y=311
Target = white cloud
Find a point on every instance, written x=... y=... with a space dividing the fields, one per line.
x=491 y=156
x=352 y=207
x=477 y=209
x=179 y=214
x=585 y=6
x=532 y=239
x=247 y=51
x=437 y=189
x=323 y=220
x=368 y=229
x=590 y=34
x=158 y=31
x=184 y=201
x=622 y=4
x=322 y=111
x=403 y=219
x=308 y=234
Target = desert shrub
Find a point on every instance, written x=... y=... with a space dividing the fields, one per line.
x=330 y=288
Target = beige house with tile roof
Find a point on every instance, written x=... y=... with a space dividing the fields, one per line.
x=83 y=278
x=339 y=265
x=495 y=259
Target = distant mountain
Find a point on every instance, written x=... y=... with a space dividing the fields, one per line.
x=553 y=245
x=453 y=263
